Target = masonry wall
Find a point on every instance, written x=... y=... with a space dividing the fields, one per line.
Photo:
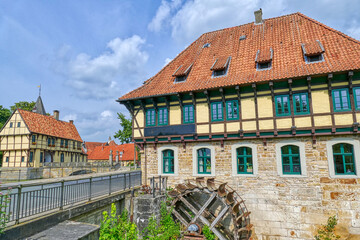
x=283 y=207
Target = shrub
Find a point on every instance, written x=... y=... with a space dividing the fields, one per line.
x=209 y=235
x=4 y=218
x=327 y=232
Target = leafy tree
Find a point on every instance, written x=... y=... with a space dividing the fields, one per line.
x=124 y=135
x=4 y=115
x=23 y=105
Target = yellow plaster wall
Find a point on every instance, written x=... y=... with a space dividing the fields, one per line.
x=283 y=123
x=140 y=118
x=319 y=86
x=266 y=124
x=320 y=101
x=358 y=117
x=230 y=96
x=15 y=118
x=343 y=119
x=265 y=106
x=247 y=108
x=232 y=127
x=202 y=128
x=215 y=98
x=303 y=122
x=216 y=128
x=322 y=121
x=202 y=113
x=281 y=90
x=340 y=84
x=175 y=115
x=137 y=133
x=299 y=88
x=249 y=126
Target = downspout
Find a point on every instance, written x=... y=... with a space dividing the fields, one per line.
x=145 y=164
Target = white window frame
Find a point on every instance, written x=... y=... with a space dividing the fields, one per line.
x=330 y=156
x=160 y=160
x=254 y=159
x=301 y=146
x=195 y=160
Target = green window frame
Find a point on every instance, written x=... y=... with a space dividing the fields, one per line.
x=357 y=97
x=11 y=125
x=244 y=160
x=341 y=100
x=22 y=159
x=66 y=143
x=33 y=139
x=31 y=156
x=290 y=156
x=217 y=113
x=344 y=163
x=232 y=110
x=62 y=143
x=62 y=158
x=168 y=161
x=41 y=156
x=282 y=104
x=7 y=159
x=53 y=141
x=301 y=103
x=163 y=116
x=188 y=113
x=18 y=124
x=49 y=141
x=150 y=117
x=204 y=161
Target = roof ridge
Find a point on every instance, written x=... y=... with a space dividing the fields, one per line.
x=329 y=28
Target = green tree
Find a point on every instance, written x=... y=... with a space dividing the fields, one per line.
x=327 y=232
x=23 y=105
x=4 y=115
x=124 y=135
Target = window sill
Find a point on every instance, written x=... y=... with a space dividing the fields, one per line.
x=293 y=176
x=345 y=176
x=245 y=175
x=204 y=175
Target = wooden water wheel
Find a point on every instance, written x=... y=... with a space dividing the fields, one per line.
x=213 y=203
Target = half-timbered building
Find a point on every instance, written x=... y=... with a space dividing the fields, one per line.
x=272 y=108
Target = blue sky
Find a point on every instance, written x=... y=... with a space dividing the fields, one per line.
x=86 y=54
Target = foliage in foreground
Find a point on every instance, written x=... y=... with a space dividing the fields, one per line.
x=166 y=229
x=4 y=218
x=114 y=228
x=124 y=135
x=209 y=235
x=327 y=232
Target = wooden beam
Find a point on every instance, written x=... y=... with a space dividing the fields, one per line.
x=310 y=105
x=237 y=88
x=271 y=85
x=329 y=79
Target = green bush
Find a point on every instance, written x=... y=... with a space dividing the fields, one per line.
x=327 y=232
x=114 y=228
x=4 y=218
x=209 y=235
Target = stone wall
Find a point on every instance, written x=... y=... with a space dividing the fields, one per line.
x=282 y=207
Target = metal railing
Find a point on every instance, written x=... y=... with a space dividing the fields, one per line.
x=158 y=185
x=34 y=198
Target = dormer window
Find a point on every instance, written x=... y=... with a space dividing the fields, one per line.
x=263 y=59
x=313 y=51
x=182 y=72
x=220 y=66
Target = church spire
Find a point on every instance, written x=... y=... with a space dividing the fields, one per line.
x=39 y=106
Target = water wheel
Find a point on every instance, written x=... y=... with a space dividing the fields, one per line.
x=213 y=203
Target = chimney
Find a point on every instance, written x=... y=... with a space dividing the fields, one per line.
x=71 y=121
x=56 y=114
x=258 y=16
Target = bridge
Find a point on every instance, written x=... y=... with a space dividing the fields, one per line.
x=49 y=201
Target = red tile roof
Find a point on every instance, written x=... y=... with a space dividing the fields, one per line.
x=47 y=125
x=313 y=48
x=103 y=152
x=90 y=146
x=284 y=35
x=264 y=55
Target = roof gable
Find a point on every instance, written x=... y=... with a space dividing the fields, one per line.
x=103 y=152
x=47 y=125
x=284 y=35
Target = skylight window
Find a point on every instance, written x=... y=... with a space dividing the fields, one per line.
x=313 y=51
x=220 y=66
x=206 y=45
x=182 y=72
x=264 y=59
x=242 y=37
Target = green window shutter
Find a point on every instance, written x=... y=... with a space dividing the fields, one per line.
x=357 y=98
x=150 y=117
x=217 y=112
x=232 y=110
x=41 y=156
x=188 y=113
x=31 y=156
x=168 y=161
x=162 y=116
x=244 y=160
x=282 y=104
x=301 y=103
x=344 y=163
x=290 y=156
x=341 y=100
x=204 y=161
x=62 y=157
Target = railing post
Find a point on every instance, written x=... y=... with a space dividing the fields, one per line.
x=129 y=180
x=140 y=178
x=110 y=185
x=153 y=186
x=159 y=184
x=18 y=205
x=124 y=181
x=62 y=195
x=90 y=183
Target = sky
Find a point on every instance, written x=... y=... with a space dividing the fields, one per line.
x=85 y=54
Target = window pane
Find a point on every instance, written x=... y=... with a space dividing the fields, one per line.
x=286 y=168
x=296 y=168
x=294 y=149
x=241 y=160
x=347 y=148
x=285 y=150
x=286 y=104
x=200 y=152
x=349 y=168
x=241 y=168
x=296 y=160
x=286 y=160
x=348 y=159
x=278 y=101
x=336 y=148
x=339 y=166
x=207 y=152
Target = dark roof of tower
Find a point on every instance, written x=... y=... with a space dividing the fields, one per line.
x=39 y=107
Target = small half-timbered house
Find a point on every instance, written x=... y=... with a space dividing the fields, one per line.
x=272 y=108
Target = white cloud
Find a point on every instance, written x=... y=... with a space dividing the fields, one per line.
x=167 y=60
x=162 y=14
x=193 y=18
x=106 y=114
x=354 y=30
x=69 y=117
x=108 y=75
